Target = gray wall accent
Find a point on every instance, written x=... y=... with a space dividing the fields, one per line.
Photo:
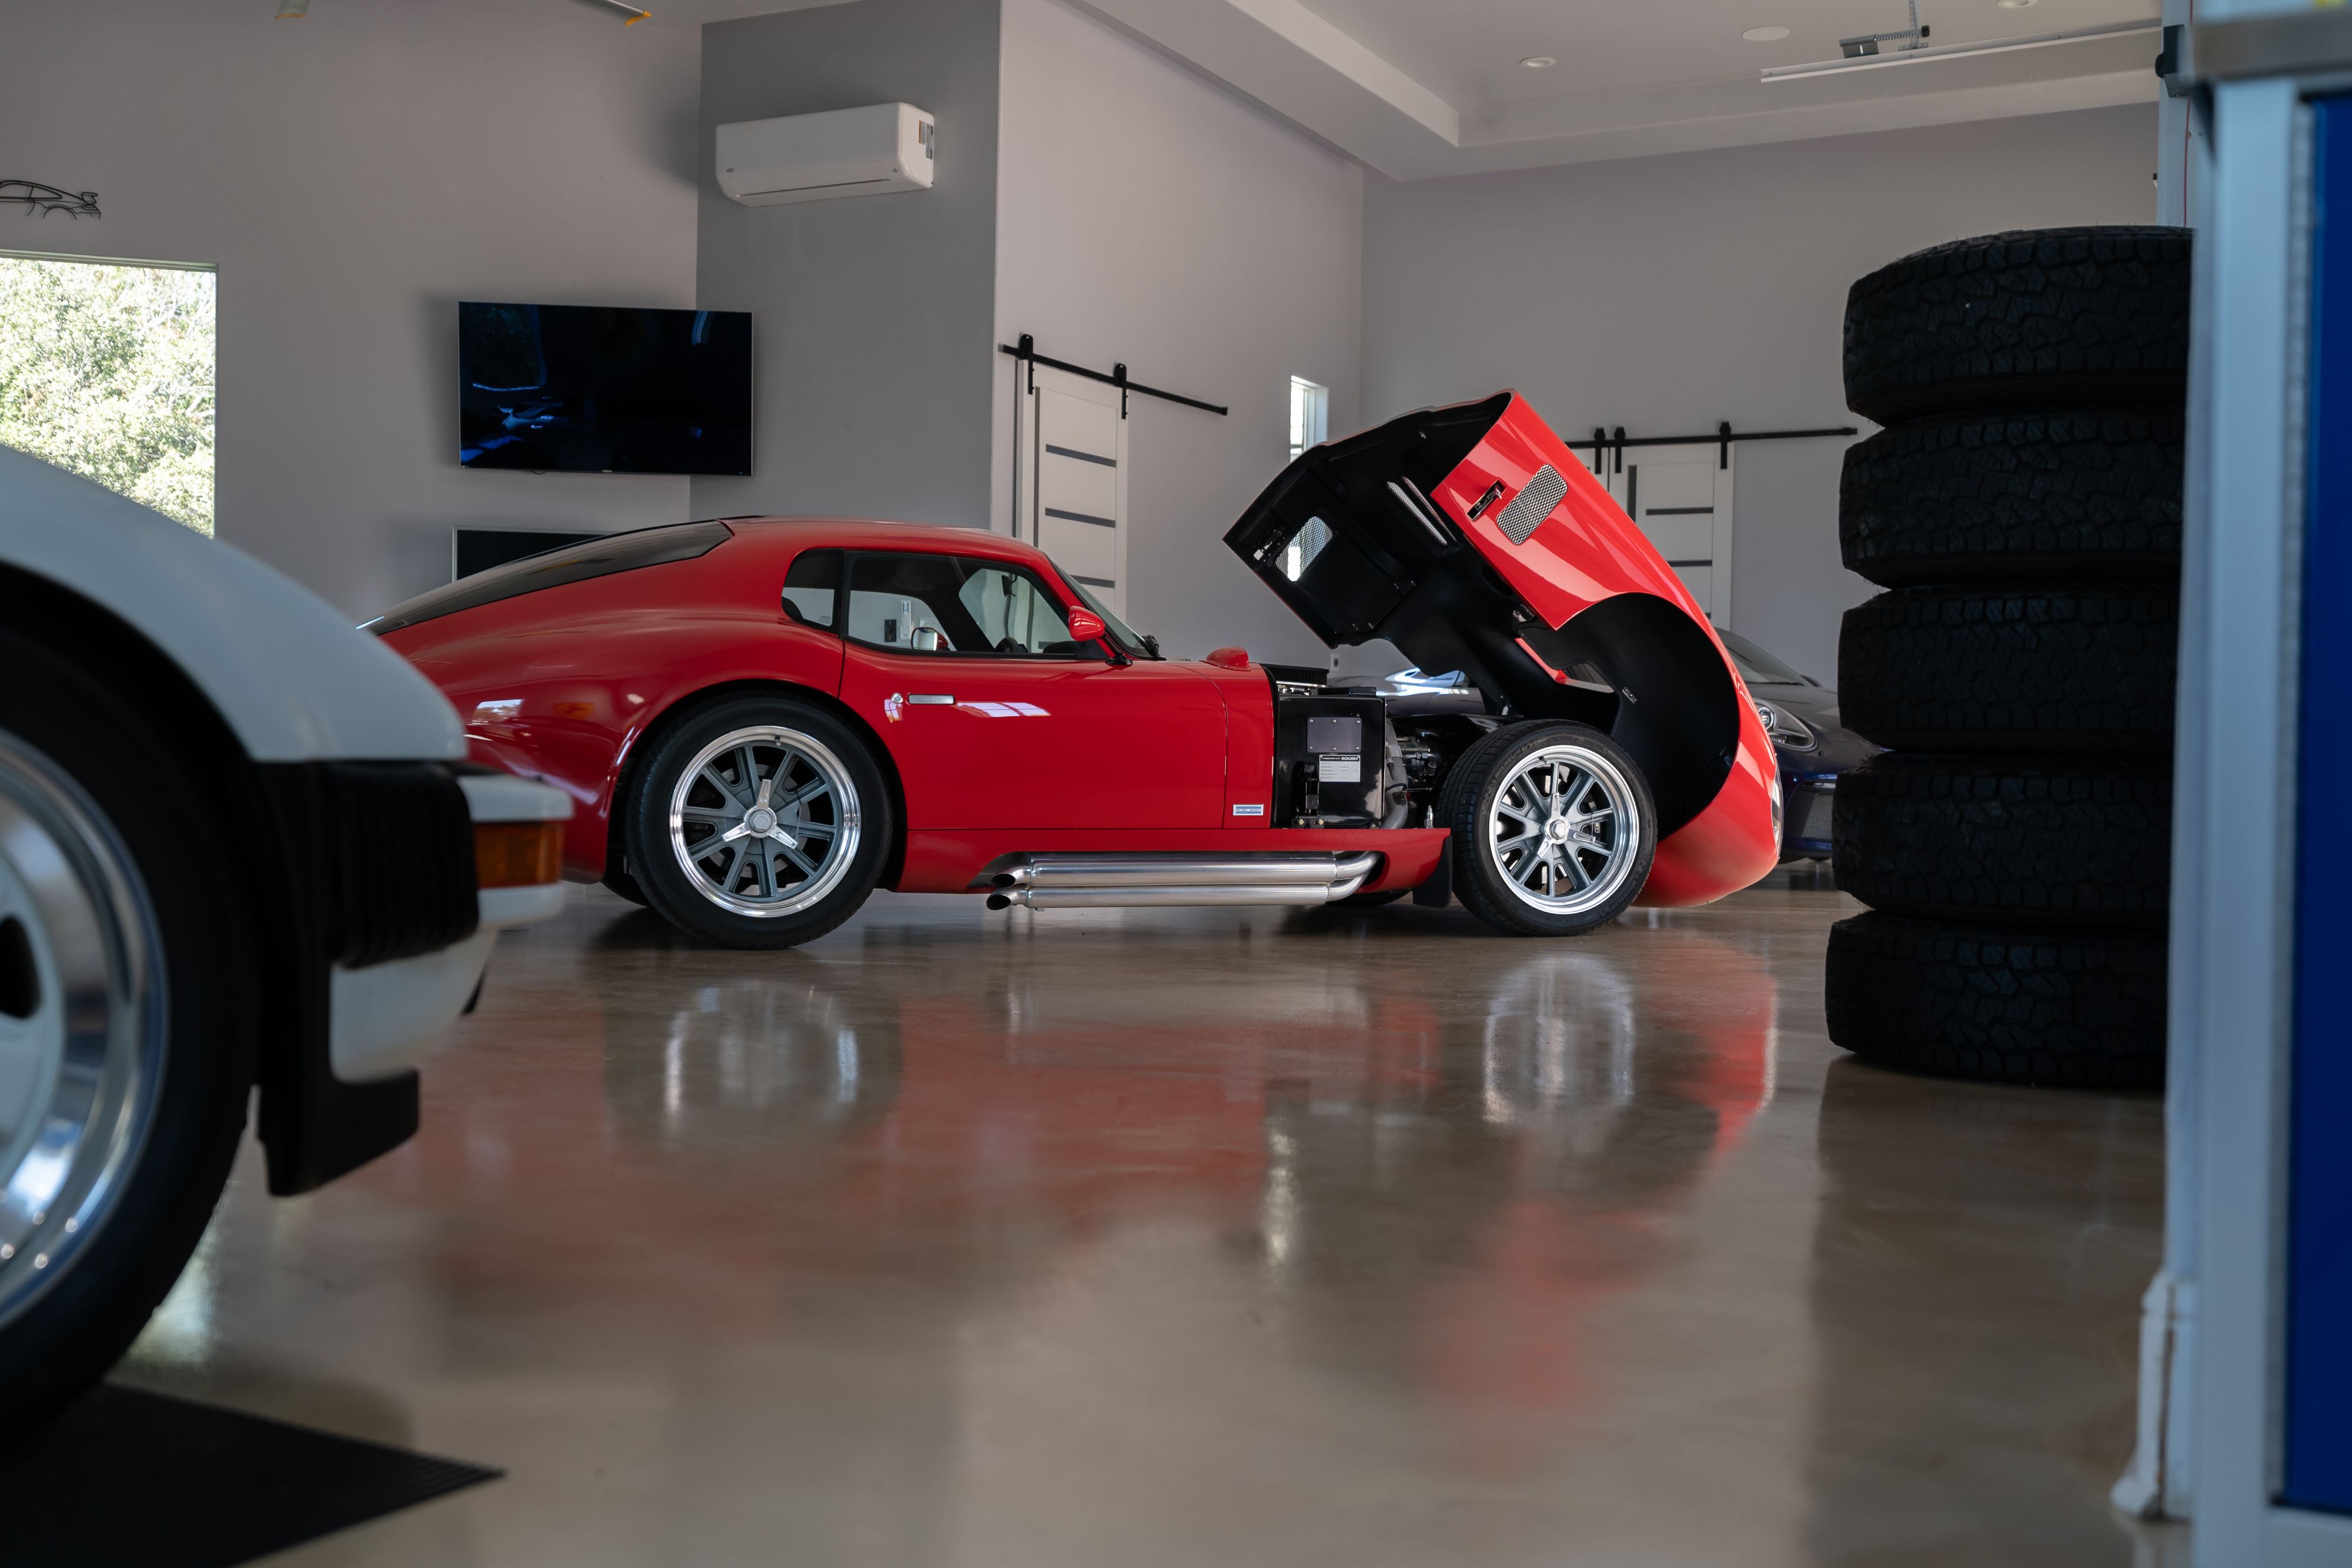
x=352 y=176
x=1150 y=217
x=872 y=313
x=1667 y=294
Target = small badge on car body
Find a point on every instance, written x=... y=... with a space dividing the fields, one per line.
x=1258 y=810
x=1479 y=507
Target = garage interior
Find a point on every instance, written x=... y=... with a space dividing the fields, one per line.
x=1266 y=1235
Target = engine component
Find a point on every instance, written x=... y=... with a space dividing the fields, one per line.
x=1331 y=754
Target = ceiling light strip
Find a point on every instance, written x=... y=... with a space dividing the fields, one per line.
x=1956 y=51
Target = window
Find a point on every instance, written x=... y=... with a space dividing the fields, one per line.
x=810 y=586
x=630 y=551
x=955 y=604
x=107 y=369
x=1310 y=412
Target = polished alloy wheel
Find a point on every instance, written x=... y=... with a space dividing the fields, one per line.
x=764 y=821
x=1565 y=829
x=81 y=1022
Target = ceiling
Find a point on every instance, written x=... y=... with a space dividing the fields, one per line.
x=1416 y=89
x=1422 y=87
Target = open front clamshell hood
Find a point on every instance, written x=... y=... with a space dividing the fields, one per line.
x=1472 y=538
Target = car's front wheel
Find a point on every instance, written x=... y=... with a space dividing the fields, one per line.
x=1553 y=828
x=760 y=823
x=126 y=1026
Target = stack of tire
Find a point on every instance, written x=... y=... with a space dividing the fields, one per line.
x=2022 y=508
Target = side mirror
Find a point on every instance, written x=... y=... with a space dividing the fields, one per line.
x=1085 y=626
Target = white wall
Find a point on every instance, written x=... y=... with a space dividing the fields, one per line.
x=1146 y=215
x=353 y=175
x=1668 y=294
x=871 y=314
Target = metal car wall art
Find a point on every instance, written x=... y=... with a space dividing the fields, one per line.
x=764 y=719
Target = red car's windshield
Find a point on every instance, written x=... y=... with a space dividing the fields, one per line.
x=1123 y=635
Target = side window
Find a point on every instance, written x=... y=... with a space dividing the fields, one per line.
x=1013 y=610
x=812 y=585
x=955 y=605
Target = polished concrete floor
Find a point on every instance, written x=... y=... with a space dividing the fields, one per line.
x=1228 y=1236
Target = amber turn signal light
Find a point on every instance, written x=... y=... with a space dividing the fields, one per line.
x=517 y=854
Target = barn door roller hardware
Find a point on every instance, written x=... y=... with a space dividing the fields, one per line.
x=1612 y=445
x=1027 y=351
x=35 y=197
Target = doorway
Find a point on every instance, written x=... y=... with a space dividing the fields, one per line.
x=108 y=369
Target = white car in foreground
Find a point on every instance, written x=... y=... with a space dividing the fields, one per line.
x=240 y=844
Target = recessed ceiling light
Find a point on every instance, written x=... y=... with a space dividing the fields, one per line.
x=2015 y=4
x=1540 y=62
x=1774 y=35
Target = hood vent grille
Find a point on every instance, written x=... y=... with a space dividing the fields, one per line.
x=1532 y=505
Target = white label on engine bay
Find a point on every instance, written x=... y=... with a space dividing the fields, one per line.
x=1339 y=769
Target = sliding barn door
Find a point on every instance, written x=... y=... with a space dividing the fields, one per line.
x=1072 y=496
x=1681 y=499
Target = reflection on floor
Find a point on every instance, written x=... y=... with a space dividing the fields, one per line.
x=1183 y=1237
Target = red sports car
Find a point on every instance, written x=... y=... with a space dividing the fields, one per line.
x=764 y=719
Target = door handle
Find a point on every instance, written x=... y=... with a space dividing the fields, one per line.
x=930 y=699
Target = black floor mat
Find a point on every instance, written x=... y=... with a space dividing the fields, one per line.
x=124 y=1478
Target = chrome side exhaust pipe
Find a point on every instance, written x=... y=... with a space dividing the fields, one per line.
x=1068 y=880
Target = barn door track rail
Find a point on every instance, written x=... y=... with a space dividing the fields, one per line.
x=1604 y=442
x=1027 y=351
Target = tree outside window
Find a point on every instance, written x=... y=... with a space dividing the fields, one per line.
x=107 y=369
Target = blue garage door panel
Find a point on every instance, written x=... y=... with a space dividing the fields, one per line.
x=2319 y=1269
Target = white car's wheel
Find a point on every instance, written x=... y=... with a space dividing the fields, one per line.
x=126 y=1026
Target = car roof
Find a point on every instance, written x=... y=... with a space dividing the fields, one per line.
x=874 y=533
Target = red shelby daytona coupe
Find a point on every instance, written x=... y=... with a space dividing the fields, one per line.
x=764 y=719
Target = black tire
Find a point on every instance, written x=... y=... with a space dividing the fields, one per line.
x=120 y=1264
x=2004 y=670
x=2013 y=1007
x=2044 y=497
x=2034 y=318
x=683 y=898
x=1469 y=803
x=2087 y=844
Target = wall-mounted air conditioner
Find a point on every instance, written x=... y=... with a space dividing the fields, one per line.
x=811 y=157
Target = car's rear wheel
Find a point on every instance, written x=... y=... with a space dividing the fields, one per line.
x=126 y=1027
x=1553 y=827
x=760 y=823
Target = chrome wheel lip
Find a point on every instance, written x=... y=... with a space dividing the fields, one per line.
x=1602 y=841
x=846 y=824
x=97 y=1035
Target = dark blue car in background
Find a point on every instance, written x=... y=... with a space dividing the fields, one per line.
x=1813 y=748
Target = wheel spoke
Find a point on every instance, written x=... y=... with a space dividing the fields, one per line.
x=726 y=793
x=1525 y=869
x=815 y=830
x=806 y=792
x=709 y=814
x=807 y=866
x=749 y=763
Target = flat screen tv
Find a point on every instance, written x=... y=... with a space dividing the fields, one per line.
x=593 y=388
